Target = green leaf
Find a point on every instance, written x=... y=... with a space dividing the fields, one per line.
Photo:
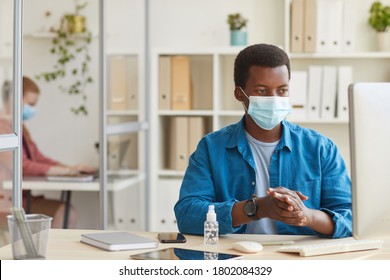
x=69 y=48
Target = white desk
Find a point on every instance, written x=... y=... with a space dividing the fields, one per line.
x=115 y=183
x=64 y=244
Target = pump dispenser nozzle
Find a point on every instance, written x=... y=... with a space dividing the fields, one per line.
x=211 y=215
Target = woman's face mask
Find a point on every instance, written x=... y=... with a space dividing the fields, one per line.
x=267 y=111
x=28 y=112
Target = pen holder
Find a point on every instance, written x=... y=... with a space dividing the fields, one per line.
x=29 y=237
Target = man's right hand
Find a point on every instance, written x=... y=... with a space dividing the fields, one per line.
x=281 y=204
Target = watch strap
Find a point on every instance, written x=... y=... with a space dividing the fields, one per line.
x=254 y=205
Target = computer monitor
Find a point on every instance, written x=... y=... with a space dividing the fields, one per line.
x=369 y=111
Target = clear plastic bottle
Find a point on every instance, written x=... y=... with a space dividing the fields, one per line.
x=211 y=227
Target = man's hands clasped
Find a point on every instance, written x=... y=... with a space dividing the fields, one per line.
x=285 y=205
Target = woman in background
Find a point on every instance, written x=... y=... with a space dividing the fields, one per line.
x=34 y=162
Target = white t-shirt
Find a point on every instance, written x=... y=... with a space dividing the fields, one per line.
x=262 y=153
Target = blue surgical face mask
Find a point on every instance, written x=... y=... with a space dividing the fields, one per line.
x=267 y=111
x=28 y=112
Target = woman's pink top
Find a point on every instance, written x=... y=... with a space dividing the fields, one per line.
x=34 y=162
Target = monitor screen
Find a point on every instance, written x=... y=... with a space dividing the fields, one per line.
x=369 y=111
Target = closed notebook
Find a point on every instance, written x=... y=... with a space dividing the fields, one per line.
x=118 y=241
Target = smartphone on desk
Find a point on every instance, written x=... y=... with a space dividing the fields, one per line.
x=171 y=237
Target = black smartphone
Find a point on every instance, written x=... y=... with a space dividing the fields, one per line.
x=171 y=237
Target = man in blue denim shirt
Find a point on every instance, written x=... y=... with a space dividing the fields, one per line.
x=264 y=174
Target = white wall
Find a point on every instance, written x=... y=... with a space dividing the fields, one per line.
x=193 y=23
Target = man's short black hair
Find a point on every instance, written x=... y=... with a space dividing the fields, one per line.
x=258 y=55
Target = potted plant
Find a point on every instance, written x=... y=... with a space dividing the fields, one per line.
x=379 y=20
x=238 y=34
x=71 y=48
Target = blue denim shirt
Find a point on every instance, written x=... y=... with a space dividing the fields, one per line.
x=222 y=172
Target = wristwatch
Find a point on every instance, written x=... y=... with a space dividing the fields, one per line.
x=250 y=209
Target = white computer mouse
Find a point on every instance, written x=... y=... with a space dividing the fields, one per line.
x=247 y=246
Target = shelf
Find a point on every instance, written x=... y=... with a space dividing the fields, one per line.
x=122 y=113
x=223 y=50
x=49 y=35
x=126 y=127
x=123 y=172
x=123 y=182
x=40 y=35
x=231 y=113
x=229 y=50
x=237 y=113
x=352 y=55
x=124 y=52
x=170 y=173
x=318 y=121
x=185 y=113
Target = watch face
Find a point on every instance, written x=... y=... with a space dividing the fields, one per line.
x=250 y=207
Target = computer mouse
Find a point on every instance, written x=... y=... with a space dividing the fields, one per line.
x=247 y=246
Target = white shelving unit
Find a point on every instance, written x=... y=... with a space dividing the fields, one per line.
x=127 y=204
x=221 y=108
x=128 y=45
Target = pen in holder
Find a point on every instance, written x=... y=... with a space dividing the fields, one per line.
x=28 y=234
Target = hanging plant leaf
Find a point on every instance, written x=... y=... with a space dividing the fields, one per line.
x=71 y=44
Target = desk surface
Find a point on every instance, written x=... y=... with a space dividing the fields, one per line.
x=41 y=184
x=65 y=244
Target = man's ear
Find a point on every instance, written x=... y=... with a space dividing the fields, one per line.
x=238 y=94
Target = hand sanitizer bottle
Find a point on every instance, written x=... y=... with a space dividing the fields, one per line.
x=211 y=227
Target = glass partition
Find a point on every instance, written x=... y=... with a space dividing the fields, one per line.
x=10 y=107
